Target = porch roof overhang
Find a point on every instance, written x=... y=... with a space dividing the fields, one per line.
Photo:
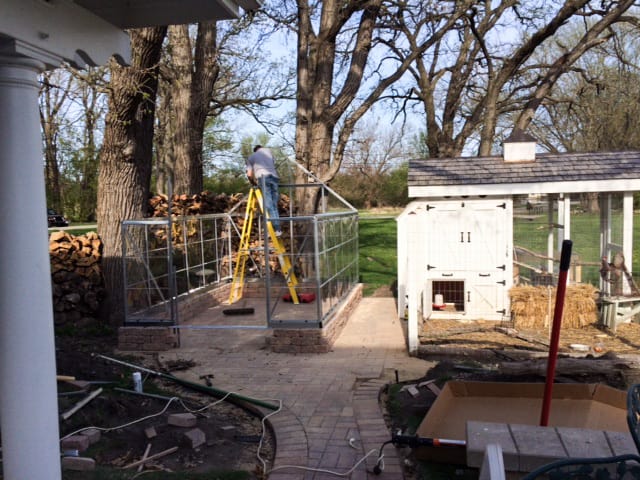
x=146 y=13
x=548 y=174
x=89 y=32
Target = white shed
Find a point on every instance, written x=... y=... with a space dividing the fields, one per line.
x=455 y=238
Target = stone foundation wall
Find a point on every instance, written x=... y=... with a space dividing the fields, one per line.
x=147 y=339
x=281 y=340
x=313 y=340
x=161 y=338
x=193 y=305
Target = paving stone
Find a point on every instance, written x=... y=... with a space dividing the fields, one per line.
x=75 y=442
x=537 y=445
x=93 y=434
x=621 y=443
x=195 y=438
x=79 y=464
x=481 y=434
x=182 y=420
x=583 y=443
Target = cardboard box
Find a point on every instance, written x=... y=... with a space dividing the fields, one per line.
x=590 y=406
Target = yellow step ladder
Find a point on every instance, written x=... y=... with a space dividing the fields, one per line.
x=237 y=285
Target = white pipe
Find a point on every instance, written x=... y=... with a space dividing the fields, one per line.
x=28 y=391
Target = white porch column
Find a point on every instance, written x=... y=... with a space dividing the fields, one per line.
x=627 y=234
x=550 y=247
x=560 y=223
x=28 y=396
x=566 y=219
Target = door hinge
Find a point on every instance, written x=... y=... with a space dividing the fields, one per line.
x=502 y=282
x=502 y=205
x=503 y=311
x=429 y=267
x=502 y=267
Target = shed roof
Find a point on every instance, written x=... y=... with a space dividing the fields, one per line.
x=549 y=173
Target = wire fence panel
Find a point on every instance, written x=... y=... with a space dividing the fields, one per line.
x=166 y=260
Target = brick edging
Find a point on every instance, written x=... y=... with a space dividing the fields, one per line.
x=292 y=447
x=315 y=340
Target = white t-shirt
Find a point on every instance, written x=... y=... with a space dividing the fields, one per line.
x=261 y=163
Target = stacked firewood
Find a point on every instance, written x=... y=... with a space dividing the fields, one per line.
x=76 y=274
x=210 y=203
x=198 y=204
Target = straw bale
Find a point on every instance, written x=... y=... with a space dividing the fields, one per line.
x=533 y=307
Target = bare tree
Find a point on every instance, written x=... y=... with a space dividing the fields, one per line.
x=71 y=112
x=370 y=156
x=209 y=69
x=595 y=106
x=484 y=71
x=125 y=159
x=338 y=78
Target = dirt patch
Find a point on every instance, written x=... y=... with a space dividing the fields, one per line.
x=496 y=336
x=129 y=423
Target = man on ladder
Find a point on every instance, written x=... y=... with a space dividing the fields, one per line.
x=261 y=171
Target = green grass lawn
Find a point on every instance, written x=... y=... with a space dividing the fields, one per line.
x=378 y=258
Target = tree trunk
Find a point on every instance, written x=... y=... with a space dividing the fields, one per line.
x=194 y=70
x=181 y=64
x=91 y=104
x=163 y=166
x=318 y=110
x=206 y=73
x=125 y=160
x=570 y=366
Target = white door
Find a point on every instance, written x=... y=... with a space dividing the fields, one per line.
x=467 y=240
x=487 y=259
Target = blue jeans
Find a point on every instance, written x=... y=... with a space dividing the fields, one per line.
x=271 y=195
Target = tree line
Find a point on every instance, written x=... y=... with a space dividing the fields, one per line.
x=469 y=71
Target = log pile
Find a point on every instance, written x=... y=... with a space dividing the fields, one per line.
x=199 y=204
x=76 y=275
x=210 y=203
